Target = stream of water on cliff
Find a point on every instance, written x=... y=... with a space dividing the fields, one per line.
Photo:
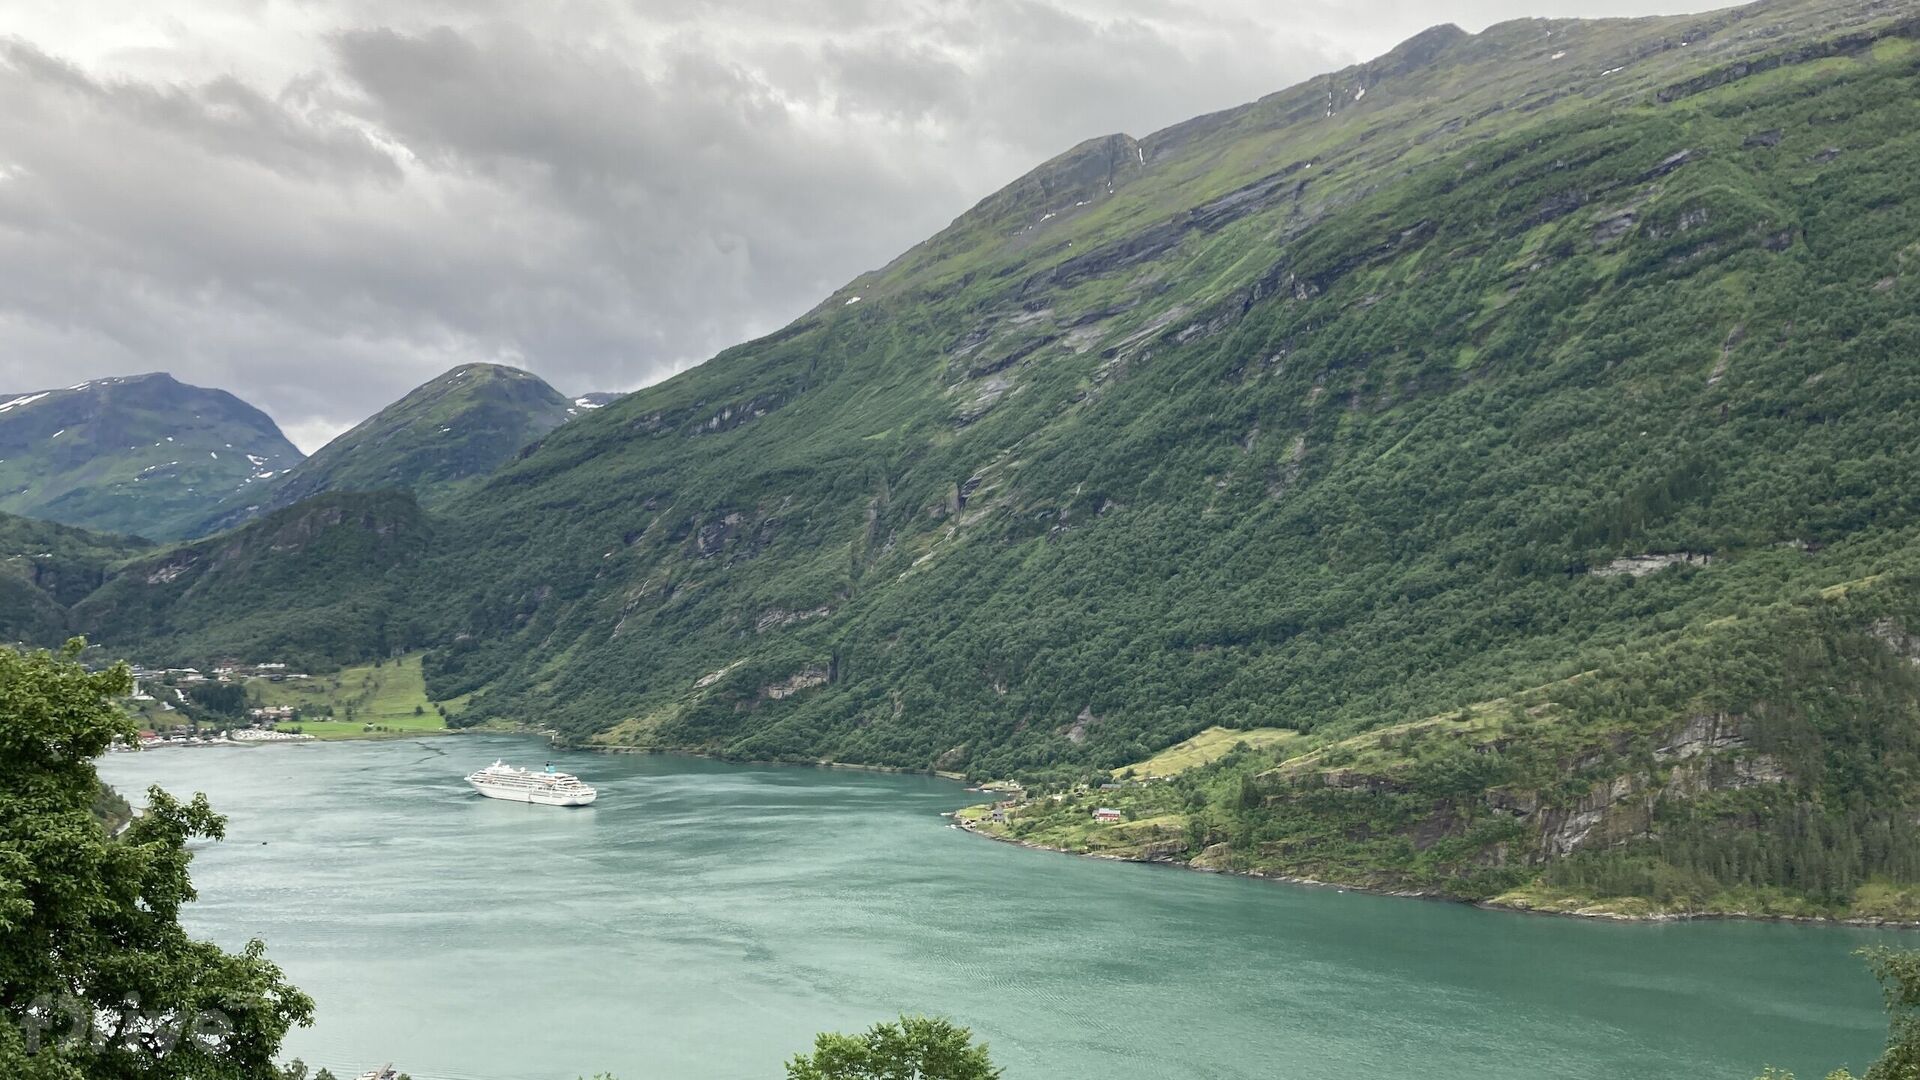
x=704 y=920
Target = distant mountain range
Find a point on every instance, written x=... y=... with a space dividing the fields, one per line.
x=143 y=454
x=151 y=456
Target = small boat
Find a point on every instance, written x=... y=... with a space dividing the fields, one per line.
x=550 y=788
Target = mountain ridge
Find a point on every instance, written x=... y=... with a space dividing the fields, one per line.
x=984 y=363
x=444 y=434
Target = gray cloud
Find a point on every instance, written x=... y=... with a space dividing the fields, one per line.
x=321 y=206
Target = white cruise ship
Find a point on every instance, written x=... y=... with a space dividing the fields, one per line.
x=502 y=781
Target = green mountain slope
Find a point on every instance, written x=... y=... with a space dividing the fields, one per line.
x=1755 y=764
x=442 y=436
x=299 y=585
x=1576 y=355
x=1313 y=420
x=45 y=569
x=145 y=454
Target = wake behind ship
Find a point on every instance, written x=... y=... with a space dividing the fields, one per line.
x=502 y=781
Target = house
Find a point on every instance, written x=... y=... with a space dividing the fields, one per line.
x=1107 y=815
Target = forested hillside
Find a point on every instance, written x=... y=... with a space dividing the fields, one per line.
x=45 y=569
x=308 y=584
x=1568 y=368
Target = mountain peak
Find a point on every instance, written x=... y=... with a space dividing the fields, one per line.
x=1088 y=171
x=1420 y=50
x=143 y=453
x=442 y=436
x=483 y=367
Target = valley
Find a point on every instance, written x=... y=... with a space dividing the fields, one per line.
x=1510 y=436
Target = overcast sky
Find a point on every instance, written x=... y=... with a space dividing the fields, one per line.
x=321 y=205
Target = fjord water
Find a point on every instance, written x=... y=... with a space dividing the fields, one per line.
x=703 y=920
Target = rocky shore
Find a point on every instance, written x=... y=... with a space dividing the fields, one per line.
x=1512 y=903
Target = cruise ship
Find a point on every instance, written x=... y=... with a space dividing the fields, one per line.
x=503 y=781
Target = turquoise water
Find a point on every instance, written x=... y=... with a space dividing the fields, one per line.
x=703 y=920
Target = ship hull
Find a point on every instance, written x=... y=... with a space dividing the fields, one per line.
x=540 y=798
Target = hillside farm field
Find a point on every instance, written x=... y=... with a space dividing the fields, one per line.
x=368 y=701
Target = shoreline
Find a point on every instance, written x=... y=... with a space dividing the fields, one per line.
x=301 y=739
x=956 y=822
x=1255 y=875
x=555 y=738
x=813 y=763
x=1438 y=897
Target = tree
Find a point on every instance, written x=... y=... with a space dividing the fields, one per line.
x=97 y=977
x=224 y=699
x=916 y=1048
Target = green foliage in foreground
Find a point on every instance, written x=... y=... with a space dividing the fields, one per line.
x=97 y=978
x=1899 y=973
x=915 y=1048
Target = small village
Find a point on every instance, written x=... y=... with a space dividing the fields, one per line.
x=184 y=706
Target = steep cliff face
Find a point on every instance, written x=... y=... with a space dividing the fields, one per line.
x=1705 y=753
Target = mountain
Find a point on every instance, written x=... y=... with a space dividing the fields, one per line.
x=46 y=568
x=272 y=588
x=1518 y=430
x=145 y=454
x=442 y=436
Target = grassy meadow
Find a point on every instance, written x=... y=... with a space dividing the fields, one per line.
x=368 y=701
